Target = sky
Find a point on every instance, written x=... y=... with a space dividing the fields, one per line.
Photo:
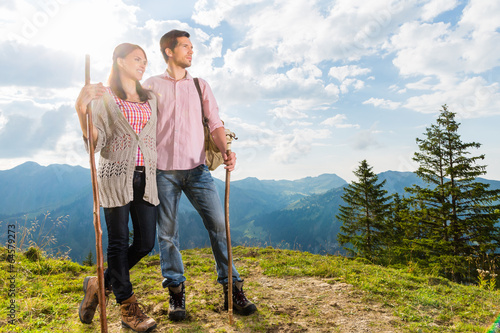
x=308 y=86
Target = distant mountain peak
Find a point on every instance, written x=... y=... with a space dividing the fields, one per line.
x=28 y=164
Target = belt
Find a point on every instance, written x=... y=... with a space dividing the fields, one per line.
x=140 y=168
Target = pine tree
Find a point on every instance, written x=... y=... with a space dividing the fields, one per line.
x=364 y=217
x=89 y=259
x=453 y=218
x=396 y=249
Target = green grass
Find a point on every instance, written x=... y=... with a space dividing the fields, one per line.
x=48 y=292
x=424 y=303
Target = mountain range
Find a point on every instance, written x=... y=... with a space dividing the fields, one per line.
x=52 y=206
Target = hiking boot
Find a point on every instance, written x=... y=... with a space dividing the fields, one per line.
x=177 y=307
x=241 y=305
x=134 y=318
x=90 y=300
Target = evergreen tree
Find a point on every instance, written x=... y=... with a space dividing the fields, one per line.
x=396 y=251
x=89 y=259
x=364 y=217
x=453 y=218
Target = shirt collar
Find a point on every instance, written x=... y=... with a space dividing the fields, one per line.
x=167 y=76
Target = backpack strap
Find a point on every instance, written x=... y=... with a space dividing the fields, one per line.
x=197 y=84
x=204 y=120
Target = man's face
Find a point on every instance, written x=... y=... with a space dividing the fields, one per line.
x=182 y=54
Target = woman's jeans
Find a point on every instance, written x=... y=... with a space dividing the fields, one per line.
x=199 y=187
x=122 y=256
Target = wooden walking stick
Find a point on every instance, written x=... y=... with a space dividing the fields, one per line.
x=97 y=219
x=229 y=137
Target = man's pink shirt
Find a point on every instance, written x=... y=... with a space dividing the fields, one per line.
x=180 y=138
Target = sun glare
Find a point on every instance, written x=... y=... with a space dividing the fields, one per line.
x=91 y=28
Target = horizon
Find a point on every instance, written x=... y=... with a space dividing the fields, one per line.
x=308 y=87
x=249 y=177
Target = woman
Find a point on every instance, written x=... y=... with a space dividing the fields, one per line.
x=124 y=118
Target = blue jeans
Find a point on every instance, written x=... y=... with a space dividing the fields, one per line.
x=122 y=256
x=199 y=187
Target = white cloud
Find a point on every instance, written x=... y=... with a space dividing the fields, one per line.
x=248 y=76
x=278 y=59
x=441 y=49
x=250 y=61
x=288 y=112
x=333 y=90
x=308 y=74
x=8 y=5
x=481 y=16
x=423 y=84
x=346 y=74
x=342 y=30
x=397 y=89
x=365 y=139
x=342 y=72
x=294 y=123
x=68 y=149
x=354 y=83
x=3 y=121
x=27 y=135
x=383 y=103
x=277 y=67
x=47 y=68
x=448 y=60
x=41 y=97
x=426 y=49
x=73 y=26
x=473 y=97
x=212 y=13
x=338 y=121
x=436 y=7
x=251 y=135
x=289 y=148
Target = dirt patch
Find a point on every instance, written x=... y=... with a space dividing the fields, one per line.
x=303 y=304
x=316 y=305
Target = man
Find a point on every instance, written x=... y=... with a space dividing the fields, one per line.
x=181 y=168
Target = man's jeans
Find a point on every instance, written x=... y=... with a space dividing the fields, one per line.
x=199 y=187
x=122 y=256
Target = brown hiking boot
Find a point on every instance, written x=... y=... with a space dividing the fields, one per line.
x=90 y=300
x=134 y=318
x=241 y=305
x=177 y=306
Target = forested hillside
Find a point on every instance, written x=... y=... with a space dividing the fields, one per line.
x=56 y=201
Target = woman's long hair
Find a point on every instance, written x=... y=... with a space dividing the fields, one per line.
x=121 y=51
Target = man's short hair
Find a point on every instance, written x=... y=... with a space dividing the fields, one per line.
x=169 y=40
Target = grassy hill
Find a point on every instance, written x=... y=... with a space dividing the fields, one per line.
x=295 y=292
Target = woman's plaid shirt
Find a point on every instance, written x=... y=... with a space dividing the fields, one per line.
x=137 y=114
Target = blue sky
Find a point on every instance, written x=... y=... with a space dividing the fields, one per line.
x=308 y=86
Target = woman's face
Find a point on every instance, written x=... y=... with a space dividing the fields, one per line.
x=133 y=65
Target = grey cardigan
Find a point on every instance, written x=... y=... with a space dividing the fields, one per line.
x=118 y=142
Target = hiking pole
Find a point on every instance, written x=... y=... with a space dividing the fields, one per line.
x=97 y=218
x=229 y=137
